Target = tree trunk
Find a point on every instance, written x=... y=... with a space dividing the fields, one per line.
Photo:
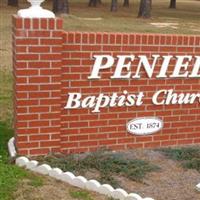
x=61 y=6
x=172 y=4
x=99 y=1
x=12 y=2
x=126 y=3
x=113 y=6
x=94 y=3
x=145 y=9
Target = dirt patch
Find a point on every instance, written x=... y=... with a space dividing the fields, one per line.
x=171 y=182
x=165 y=25
x=51 y=189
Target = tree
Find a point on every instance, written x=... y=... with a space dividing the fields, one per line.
x=126 y=3
x=113 y=5
x=12 y=2
x=93 y=3
x=61 y=6
x=145 y=9
x=172 y=4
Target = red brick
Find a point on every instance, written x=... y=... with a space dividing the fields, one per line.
x=27 y=131
x=152 y=144
x=39 y=64
x=37 y=49
x=39 y=137
x=40 y=151
x=125 y=38
x=78 y=124
x=39 y=109
x=21 y=49
x=39 y=79
x=50 y=130
x=50 y=56
x=43 y=23
x=38 y=123
x=27 y=102
x=49 y=143
x=27 y=117
x=17 y=22
x=49 y=116
x=27 y=41
x=59 y=23
x=27 y=23
x=88 y=143
x=168 y=143
x=35 y=22
x=50 y=41
x=39 y=95
x=88 y=130
x=98 y=38
x=21 y=80
x=186 y=141
x=134 y=146
x=91 y=48
x=23 y=152
x=144 y=139
x=78 y=137
x=28 y=145
x=126 y=140
x=51 y=23
x=27 y=57
x=22 y=138
x=107 y=141
x=27 y=87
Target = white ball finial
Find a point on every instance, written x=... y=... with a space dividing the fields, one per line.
x=35 y=11
x=35 y=2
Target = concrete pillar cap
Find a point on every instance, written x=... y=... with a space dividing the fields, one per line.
x=35 y=11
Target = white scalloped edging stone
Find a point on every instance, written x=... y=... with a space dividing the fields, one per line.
x=119 y=194
x=92 y=185
x=43 y=169
x=78 y=181
x=67 y=177
x=198 y=187
x=56 y=173
x=133 y=196
x=32 y=164
x=11 y=147
x=22 y=161
x=106 y=189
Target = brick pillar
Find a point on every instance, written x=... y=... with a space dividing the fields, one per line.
x=37 y=49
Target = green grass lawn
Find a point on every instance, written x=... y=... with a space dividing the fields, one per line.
x=11 y=175
x=184 y=19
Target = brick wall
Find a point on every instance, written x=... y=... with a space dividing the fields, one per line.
x=50 y=63
x=37 y=55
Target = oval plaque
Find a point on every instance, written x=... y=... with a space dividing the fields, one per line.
x=144 y=126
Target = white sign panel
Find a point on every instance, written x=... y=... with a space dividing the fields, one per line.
x=144 y=126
